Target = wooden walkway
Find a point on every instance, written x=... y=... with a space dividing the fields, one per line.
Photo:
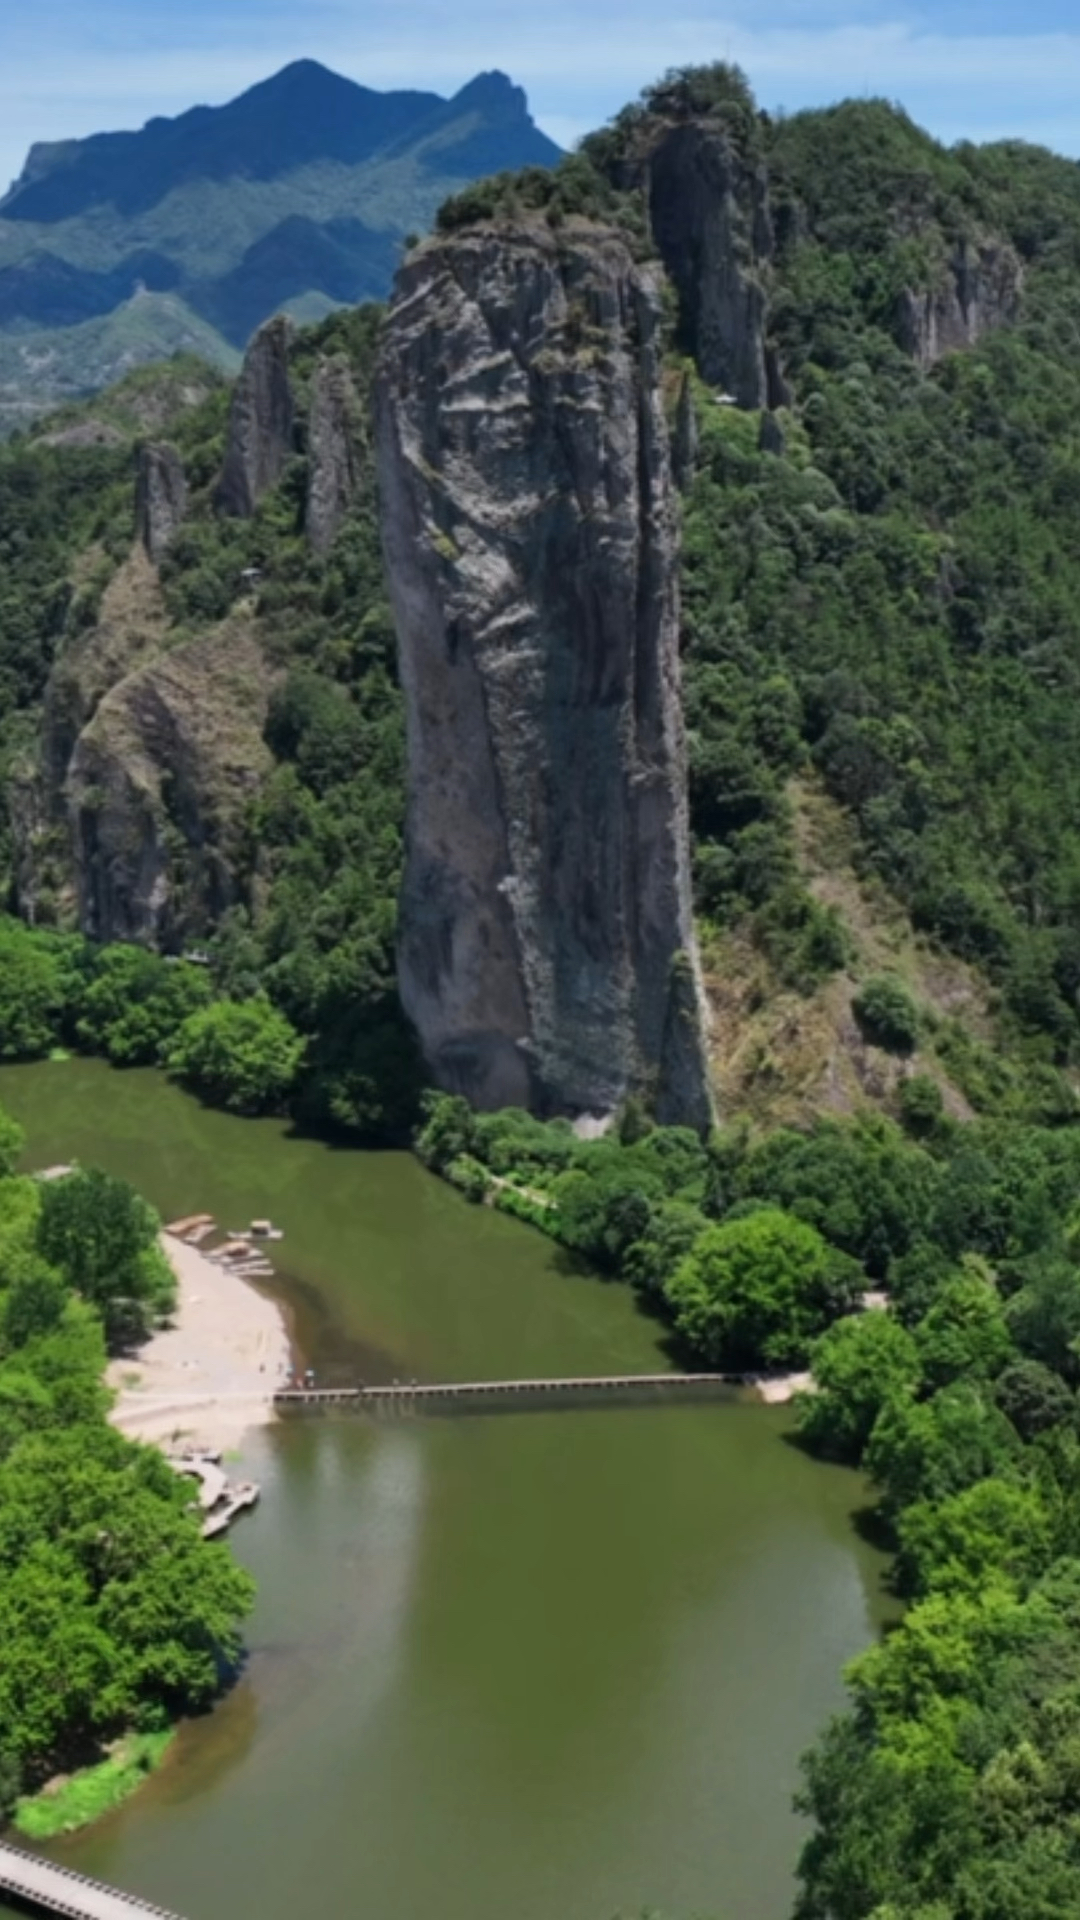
x=43 y=1887
x=596 y=1390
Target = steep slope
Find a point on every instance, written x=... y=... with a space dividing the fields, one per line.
x=296 y=195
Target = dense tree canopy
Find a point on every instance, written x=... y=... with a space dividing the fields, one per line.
x=114 y=1613
x=757 y=1289
x=244 y=1054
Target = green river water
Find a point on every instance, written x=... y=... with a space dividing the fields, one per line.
x=553 y=1666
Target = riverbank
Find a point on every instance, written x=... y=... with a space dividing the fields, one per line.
x=210 y=1375
x=76 y=1800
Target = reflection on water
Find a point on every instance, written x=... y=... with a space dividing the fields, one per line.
x=550 y=1667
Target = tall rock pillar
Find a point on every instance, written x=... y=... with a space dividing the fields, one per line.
x=530 y=531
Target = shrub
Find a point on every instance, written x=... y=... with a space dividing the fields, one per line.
x=887 y=1015
x=921 y=1105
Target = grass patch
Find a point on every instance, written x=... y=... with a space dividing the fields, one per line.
x=85 y=1796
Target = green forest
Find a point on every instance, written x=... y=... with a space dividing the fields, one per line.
x=881 y=604
x=115 y=1615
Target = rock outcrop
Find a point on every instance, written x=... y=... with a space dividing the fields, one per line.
x=158 y=787
x=685 y=438
x=979 y=289
x=335 y=438
x=161 y=497
x=261 y=422
x=530 y=529
x=709 y=213
x=129 y=633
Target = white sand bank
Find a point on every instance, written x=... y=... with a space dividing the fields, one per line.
x=209 y=1377
x=782 y=1388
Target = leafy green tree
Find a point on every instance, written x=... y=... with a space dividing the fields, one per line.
x=243 y=1055
x=992 y=1531
x=1034 y=1398
x=927 y=1450
x=606 y=1210
x=102 y=1237
x=673 y=1230
x=887 y=1014
x=1045 y=1316
x=526 y=1150
x=448 y=1130
x=135 y=1002
x=32 y=994
x=965 y=1331
x=12 y=1141
x=922 y=1105
x=865 y=1187
x=757 y=1291
x=859 y=1366
x=32 y=1303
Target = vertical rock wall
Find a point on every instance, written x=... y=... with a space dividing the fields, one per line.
x=709 y=212
x=334 y=443
x=530 y=531
x=161 y=498
x=261 y=421
x=979 y=289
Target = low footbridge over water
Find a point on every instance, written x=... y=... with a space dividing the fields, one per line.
x=472 y=1396
x=39 y=1886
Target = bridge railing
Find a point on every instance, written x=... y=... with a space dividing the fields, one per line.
x=44 y=1885
x=409 y=1394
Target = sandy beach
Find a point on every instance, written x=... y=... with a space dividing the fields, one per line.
x=208 y=1377
x=782 y=1388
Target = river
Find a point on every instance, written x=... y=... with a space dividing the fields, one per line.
x=554 y=1666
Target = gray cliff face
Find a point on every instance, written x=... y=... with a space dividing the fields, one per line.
x=261 y=422
x=685 y=437
x=161 y=498
x=529 y=523
x=130 y=820
x=128 y=633
x=335 y=438
x=709 y=212
x=157 y=789
x=979 y=290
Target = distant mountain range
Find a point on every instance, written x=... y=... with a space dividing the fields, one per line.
x=297 y=196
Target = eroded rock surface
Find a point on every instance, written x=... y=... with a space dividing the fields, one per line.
x=709 y=212
x=685 y=437
x=261 y=421
x=980 y=289
x=530 y=529
x=157 y=789
x=161 y=497
x=334 y=443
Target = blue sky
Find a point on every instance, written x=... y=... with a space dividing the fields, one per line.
x=72 y=67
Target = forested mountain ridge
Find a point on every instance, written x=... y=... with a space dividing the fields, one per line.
x=190 y=232
x=878 y=614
